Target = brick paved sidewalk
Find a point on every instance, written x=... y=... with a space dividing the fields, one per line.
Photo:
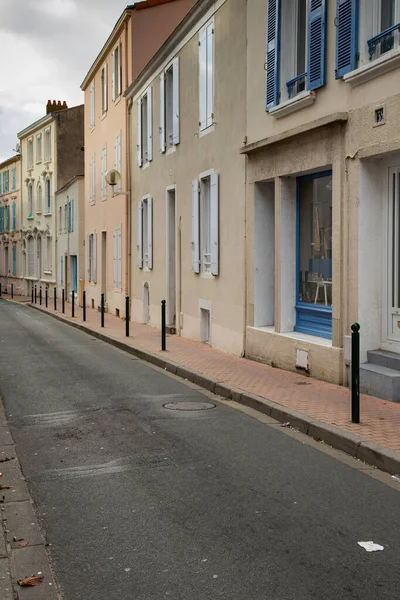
x=325 y=402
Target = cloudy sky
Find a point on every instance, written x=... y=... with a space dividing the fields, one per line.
x=46 y=49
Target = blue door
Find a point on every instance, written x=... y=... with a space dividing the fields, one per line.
x=75 y=273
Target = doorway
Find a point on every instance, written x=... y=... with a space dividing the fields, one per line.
x=171 y=258
x=74 y=270
x=104 y=264
x=392 y=321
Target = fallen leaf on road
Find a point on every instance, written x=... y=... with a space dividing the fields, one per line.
x=23 y=544
x=5 y=487
x=29 y=581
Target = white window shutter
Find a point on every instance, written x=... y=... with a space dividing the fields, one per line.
x=119 y=234
x=119 y=74
x=195 y=227
x=88 y=259
x=92 y=104
x=72 y=214
x=150 y=233
x=105 y=88
x=94 y=259
x=139 y=132
x=175 y=101
x=203 y=79
x=214 y=214
x=113 y=76
x=162 y=112
x=210 y=74
x=140 y=234
x=150 y=123
x=115 y=259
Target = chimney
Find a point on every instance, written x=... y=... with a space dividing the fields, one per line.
x=54 y=106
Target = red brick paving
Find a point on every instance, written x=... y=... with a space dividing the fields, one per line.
x=319 y=400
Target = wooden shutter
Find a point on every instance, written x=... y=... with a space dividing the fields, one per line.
x=195 y=227
x=162 y=112
x=346 y=36
x=149 y=117
x=210 y=75
x=105 y=88
x=113 y=77
x=139 y=132
x=150 y=233
x=92 y=104
x=72 y=214
x=94 y=257
x=14 y=216
x=14 y=260
x=119 y=258
x=175 y=101
x=140 y=234
x=316 y=44
x=62 y=270
x=214 y=214
x=272 y=60
x=7 y=180
x=203 y=79
x=89 y=258
x=119 y=74
x=115 y=259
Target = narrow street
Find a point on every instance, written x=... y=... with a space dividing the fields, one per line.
x=142 y=502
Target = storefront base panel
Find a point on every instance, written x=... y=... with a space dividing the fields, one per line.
x=296 y=352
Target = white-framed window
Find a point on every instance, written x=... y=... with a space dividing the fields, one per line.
x=31 y=256
x=30 y=200
x=117 y=157
x=205 y=224
x=92 y=257
x=65 y=218
x=92 y=181
x=39 y=257
x=92 y=105
x=206 y=76
x=48 y=196
x=39 y=148
x=39 y=197
x=117 y=258
x=169 y=106
x=62 y=270
x=104 y=89
x=49 y=262
x=47 y=144
x=145 y=233
x=145 y=127
x=296 y=48
x=60 y=219
x=103 y=173
x=30 y=153
x=116 y=73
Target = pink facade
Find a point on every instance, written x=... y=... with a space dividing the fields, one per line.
x=10 y=226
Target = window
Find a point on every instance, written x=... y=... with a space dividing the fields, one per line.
x=116 y=73
x=30 y=201
x=1 y=218
x=60 y=219
x=103 y=173
x=314 y=255
x=47 y=144
x=295 y=48
x=14 y=216
x=39 y=148
x=206 y=80
x=30 y=153
x=39 y=200
x=6 y=263
x=14 y=260
x=117 y=155
x=169 y=106
x=92 y=180
x=39 y=257
x=70 y=215
x=92 y=257
x=48 y=197
x=145 y=233
x=7 y=217
x=365 y=32
x=48 y=254
x=205 y=224
x=117 y=259
x=62 y=270
x=145 y=127
x=31 y=257
x=1 y=184
x=14 y=178
x=92 y=105
x=66 y=217
x=6 y=175
x=104 y=91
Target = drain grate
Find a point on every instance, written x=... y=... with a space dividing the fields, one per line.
x=189 y=406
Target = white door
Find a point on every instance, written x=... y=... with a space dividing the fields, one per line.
x=171 y=259
x=393 y=261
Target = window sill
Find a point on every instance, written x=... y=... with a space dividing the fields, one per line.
x=47 y=272
x=38 y=212
x=206 y=275
x=294 y=335
x=379 y=66
x=103 y=116
x=91 y=128
x=30 y=217
x=39 y=162
x=103 y=198
x=48 y=214
x=146 y=164
x=289 y=106
x=206 y=131
x=117 y=100
x=171 y=150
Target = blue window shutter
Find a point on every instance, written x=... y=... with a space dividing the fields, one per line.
x=272 y=63
x=346 y=36
x=14 y=216
x=316 y=44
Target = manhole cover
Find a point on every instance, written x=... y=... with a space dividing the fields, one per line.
x=189 y=406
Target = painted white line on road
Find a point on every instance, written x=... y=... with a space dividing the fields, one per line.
x=370 y=546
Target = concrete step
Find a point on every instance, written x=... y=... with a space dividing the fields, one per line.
x=380 y=381
x=391 y=360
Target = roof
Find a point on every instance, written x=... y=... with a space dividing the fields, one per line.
x=9 y=161
x=44 y=120
x=69 y=183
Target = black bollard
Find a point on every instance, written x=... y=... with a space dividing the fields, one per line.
x=84 y=305
x=35 y=295
x=127 y=316
x=0 y=290
x=55 y=298
x=163 y=326
x=12 y=290
x=63 y=301
x=32 y=294
x=355 y=373
x=40 y=295
x=73 y=303
x=46 y=298
x=102 y=310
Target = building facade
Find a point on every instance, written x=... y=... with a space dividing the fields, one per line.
x=10 y=233
x=323 y=164
x=70 y=249
x=51 y=154
x=139 y=32
x=187 y=122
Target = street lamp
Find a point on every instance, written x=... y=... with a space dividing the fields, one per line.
x=113 y=178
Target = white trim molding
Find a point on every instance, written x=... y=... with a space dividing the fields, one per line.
x=383 y=64
x=289 y=106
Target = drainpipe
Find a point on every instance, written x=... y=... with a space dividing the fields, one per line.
x=128 y=200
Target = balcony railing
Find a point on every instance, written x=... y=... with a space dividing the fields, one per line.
x=385 y=40
x=296 y=85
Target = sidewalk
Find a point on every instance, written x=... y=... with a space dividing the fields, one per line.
x=317 y=408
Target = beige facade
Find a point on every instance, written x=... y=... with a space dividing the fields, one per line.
x=10 y=229
x=187 y=123
x=344 y=137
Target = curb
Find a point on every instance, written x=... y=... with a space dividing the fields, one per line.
x=368 y=452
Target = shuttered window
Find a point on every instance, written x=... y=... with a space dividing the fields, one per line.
x=103 y=173
x=92 y=180
x=117 y=156
x=14 y=178
x=205 y=225
x=92 y=105
x=14 y=216
x=117 y=258
x=206 y=73
x=145 y=127
x=104 y=89
x=7 y=218
x=170 y=106
x=14 y=260
x=145 y=233
x=346 y=36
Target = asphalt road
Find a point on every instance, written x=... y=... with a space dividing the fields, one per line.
x=144 y=503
